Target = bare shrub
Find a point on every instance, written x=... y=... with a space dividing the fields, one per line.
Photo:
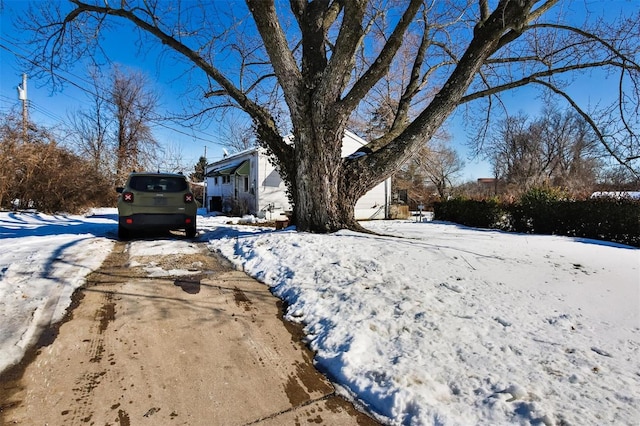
x=39 y=174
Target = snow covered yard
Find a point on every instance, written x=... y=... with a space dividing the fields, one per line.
x=43 y=259
x=458 y=326
x=437 y=324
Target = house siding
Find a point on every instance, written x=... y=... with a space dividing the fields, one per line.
x=375 y=203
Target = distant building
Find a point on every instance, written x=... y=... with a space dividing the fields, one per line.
x=487 y=181
x=247 y=183
x=488 y=185
x=635 y=195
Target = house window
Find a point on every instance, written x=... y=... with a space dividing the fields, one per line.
x=246 y=184
x=226 y=179
x=215 y=180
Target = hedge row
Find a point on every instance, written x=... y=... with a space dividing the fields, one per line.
x=616 y=220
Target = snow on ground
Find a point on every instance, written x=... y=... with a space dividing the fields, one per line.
x=43 y=259
x=447 y=325
x=432 y=323
x=141 y=250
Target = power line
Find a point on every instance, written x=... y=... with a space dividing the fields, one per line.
x=157 y=121
x=42 y=110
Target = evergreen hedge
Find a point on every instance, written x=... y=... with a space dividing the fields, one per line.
x=548 y=212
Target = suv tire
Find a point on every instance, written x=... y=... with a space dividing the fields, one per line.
x=190 y=231
x=123 y=233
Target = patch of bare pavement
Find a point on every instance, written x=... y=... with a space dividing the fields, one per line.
x=205 y=349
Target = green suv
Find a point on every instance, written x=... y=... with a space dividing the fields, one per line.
x=156 y=201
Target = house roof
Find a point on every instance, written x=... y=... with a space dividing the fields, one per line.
x=220 y=166
x=236 y=156
x=238 y=167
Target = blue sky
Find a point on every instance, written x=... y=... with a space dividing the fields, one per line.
x=50 y=109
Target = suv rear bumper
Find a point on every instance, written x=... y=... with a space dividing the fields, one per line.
x=157 y=221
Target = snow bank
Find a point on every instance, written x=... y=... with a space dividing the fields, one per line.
x=456 y=326
x=43 y=259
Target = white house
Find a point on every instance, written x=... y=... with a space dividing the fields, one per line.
x=247 y=182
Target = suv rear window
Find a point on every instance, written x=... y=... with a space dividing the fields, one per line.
x=158 y=184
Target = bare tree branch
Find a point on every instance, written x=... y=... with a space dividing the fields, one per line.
x=589 y=120
x=381 y=64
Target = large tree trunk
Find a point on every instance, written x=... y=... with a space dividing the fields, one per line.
x=322 y=203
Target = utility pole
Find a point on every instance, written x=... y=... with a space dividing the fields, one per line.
x=204 y=180
x=22 y=95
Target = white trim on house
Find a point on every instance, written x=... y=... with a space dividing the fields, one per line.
x=259 y=190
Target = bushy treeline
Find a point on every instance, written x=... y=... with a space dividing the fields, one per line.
x=547 y=211
x=37 y=173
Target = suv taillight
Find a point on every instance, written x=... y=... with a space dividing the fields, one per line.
x=188 y=198
x=127 y=197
